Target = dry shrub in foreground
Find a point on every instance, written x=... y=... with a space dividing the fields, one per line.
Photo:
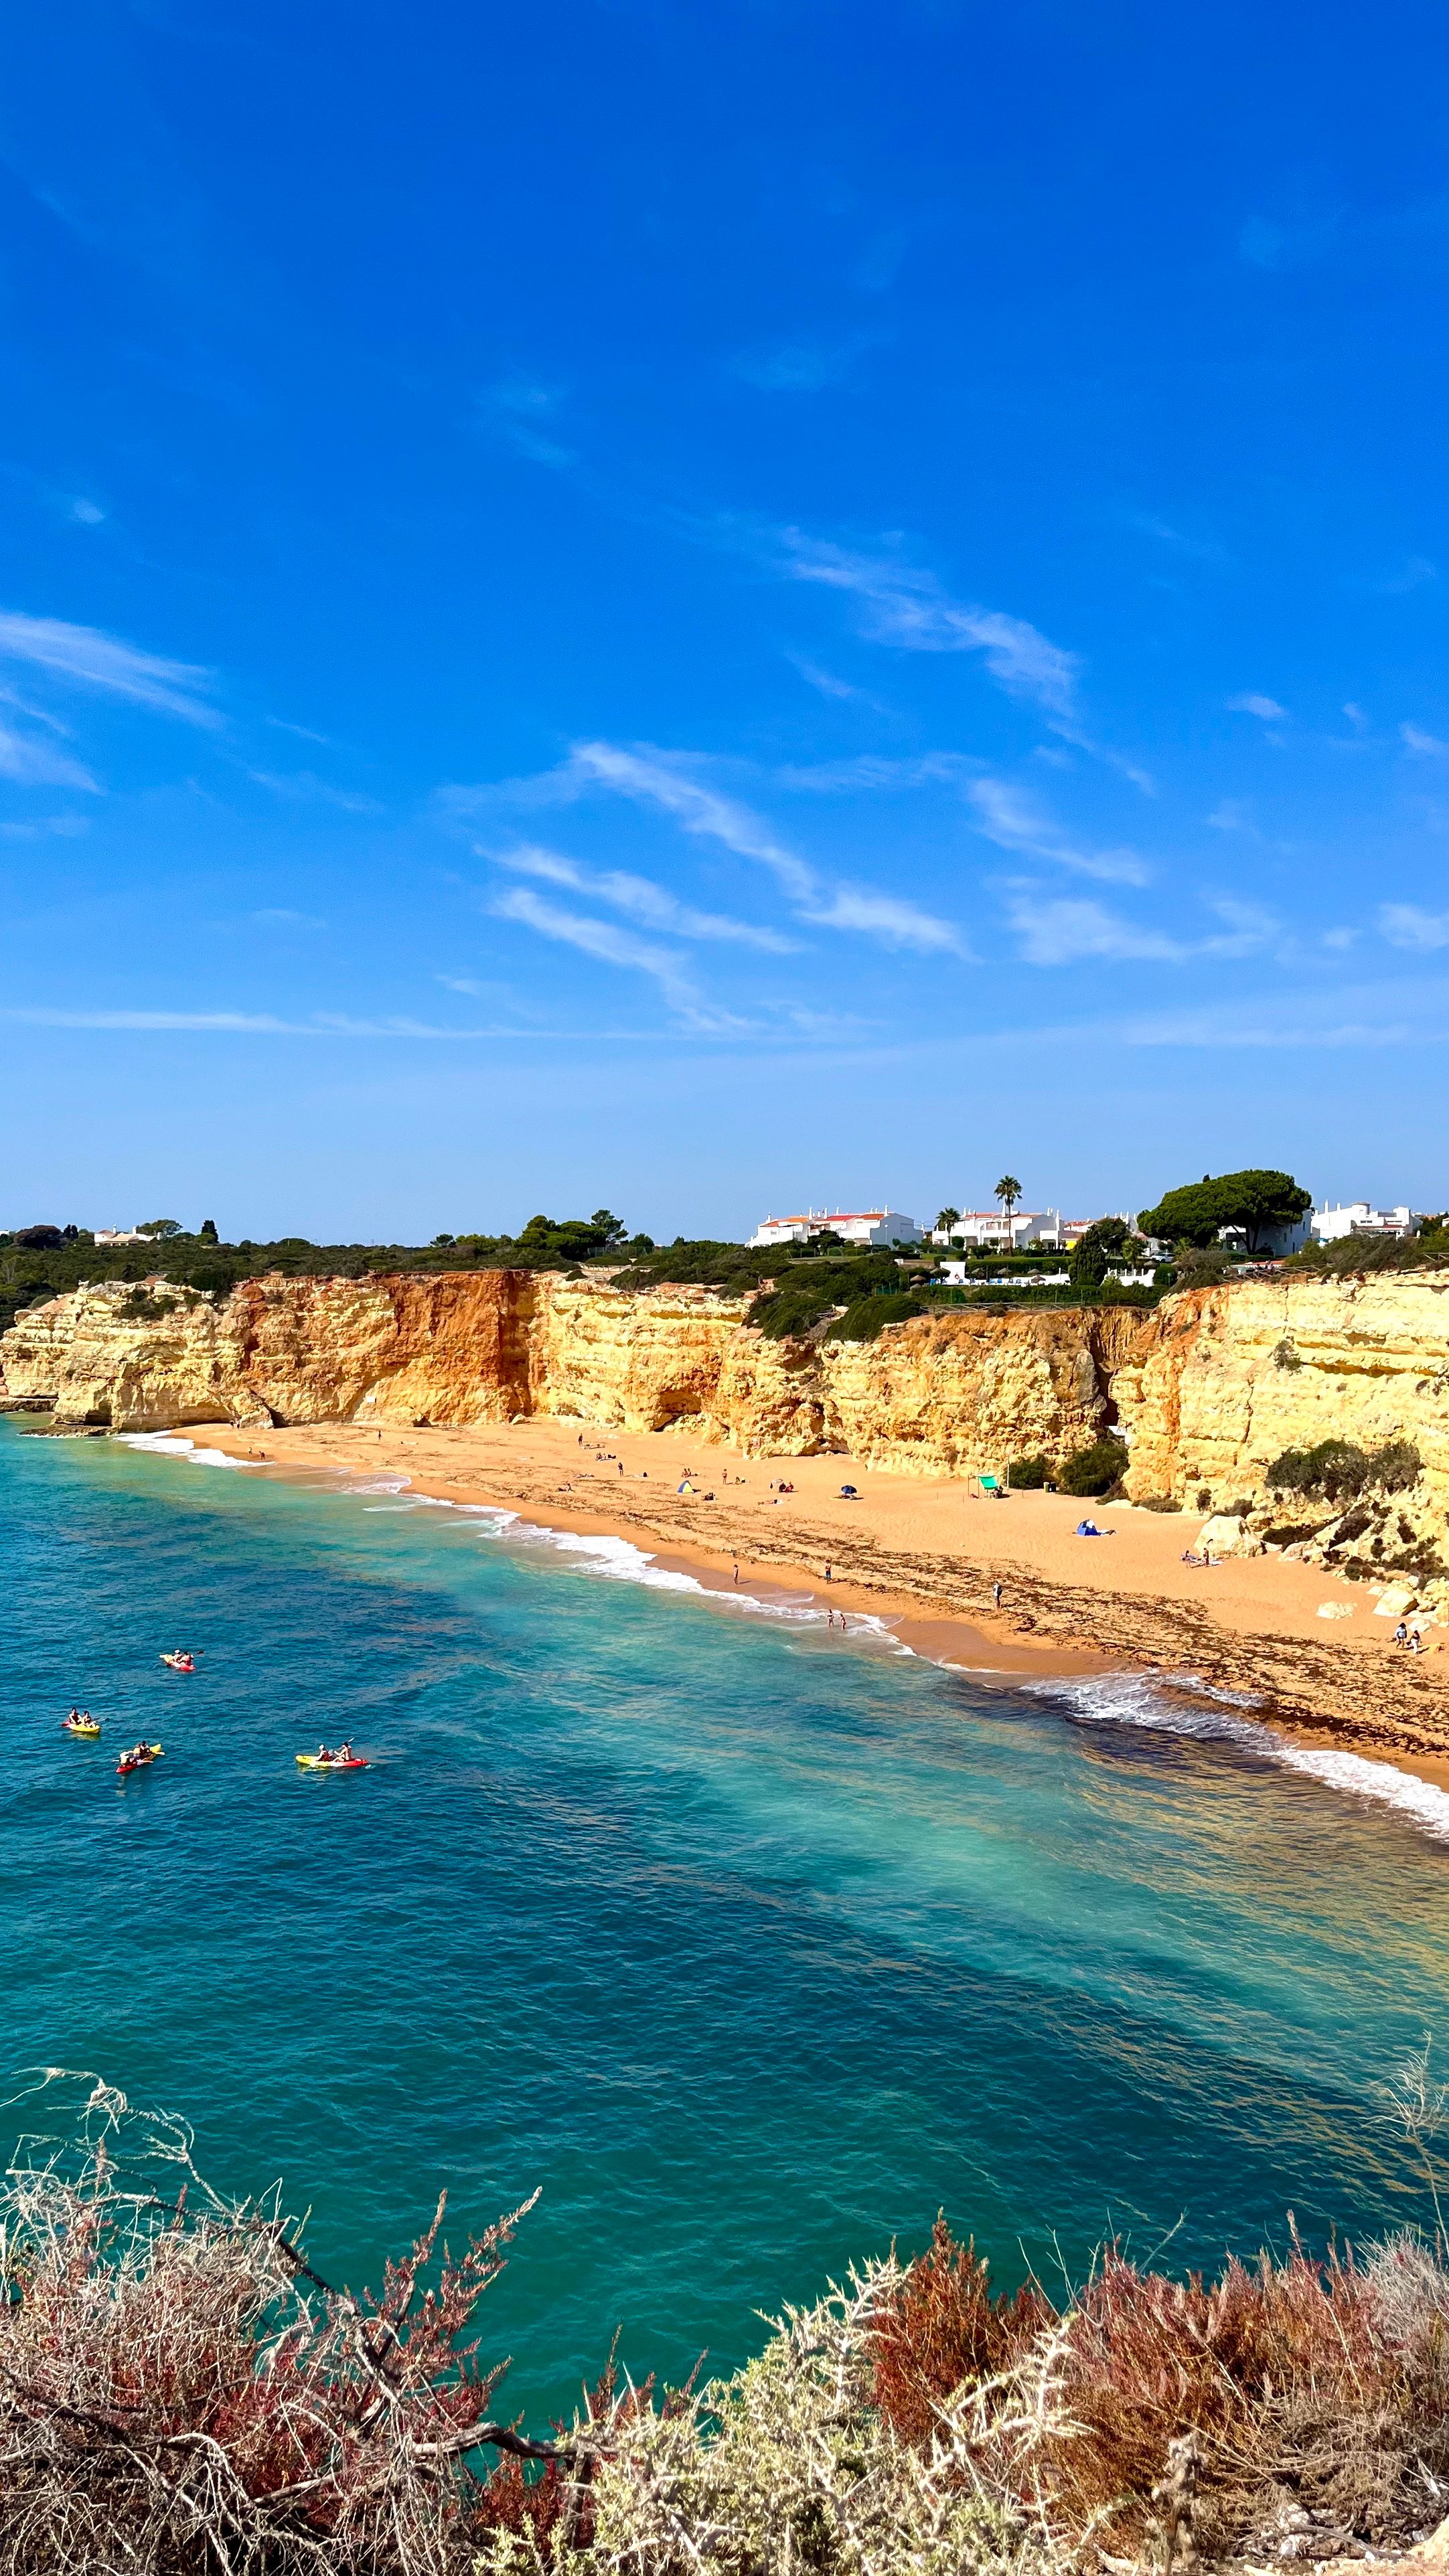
x=1316 y=2393
x=179 y=2391
x=181 y=2394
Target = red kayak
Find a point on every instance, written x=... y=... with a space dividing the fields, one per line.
x=331 y=1762
x=137 y=1758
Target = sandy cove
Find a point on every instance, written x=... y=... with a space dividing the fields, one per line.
x=927 y=1555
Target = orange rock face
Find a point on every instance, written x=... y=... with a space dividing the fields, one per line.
x=937 y=1394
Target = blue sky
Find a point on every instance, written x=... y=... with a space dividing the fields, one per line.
x=707 y=607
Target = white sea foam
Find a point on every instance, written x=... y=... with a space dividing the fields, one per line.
x=171 y=1444
x=1188 y=1706
x=620 y=1561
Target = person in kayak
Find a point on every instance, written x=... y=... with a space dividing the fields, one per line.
x=347 y=1754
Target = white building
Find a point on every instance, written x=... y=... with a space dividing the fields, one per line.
x=966 y=1274
x=991 y=1227
x=119 y=1234
x=1026 y=1229
x=1332 y=1224
x=876 y=1228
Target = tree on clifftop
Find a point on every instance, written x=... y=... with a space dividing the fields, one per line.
x=1259 y=1202
x=1102 y=1244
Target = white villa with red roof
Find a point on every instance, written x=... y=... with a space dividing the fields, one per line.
x=875 y=1227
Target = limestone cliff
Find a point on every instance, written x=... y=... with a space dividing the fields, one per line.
x=1207 y=1391
x=940 y=1395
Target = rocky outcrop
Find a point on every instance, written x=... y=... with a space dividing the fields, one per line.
x=1206 y=1392
x=1235 y=1376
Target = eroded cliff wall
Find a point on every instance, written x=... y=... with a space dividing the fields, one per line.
x=1207 y=1391
x=941 y=1394
x=1231 y=1377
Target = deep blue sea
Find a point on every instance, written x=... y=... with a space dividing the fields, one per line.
x=751 y=1944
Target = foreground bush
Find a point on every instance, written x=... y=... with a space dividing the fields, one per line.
x=181 y=2393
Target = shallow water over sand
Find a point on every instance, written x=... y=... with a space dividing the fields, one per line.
x=752 y=1946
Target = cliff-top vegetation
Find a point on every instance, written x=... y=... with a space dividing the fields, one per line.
x=181 y=2390
x=42 y=1261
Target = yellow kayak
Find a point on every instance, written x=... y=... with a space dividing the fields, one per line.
x=73 y=1726
x=137 y=1761
x=329 y=1762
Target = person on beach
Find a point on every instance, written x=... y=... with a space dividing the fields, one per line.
x=827 y=1574
x=1401 y=1634
x=736 y=1575
x=996 y=1591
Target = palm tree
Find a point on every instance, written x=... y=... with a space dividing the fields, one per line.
x=1008 y=1190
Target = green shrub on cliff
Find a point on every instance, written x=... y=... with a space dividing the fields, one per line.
x=1337 y=1470
x=1094 y=1470
x=1029 y=1475
x=868 y=1317
x=805 y=1292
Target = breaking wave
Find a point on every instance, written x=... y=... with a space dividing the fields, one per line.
x=1187 y=1707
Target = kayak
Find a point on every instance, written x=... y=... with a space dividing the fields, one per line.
x=73 y=1726
x=331 y=1762
x=137 y=1761
x=179 y=1663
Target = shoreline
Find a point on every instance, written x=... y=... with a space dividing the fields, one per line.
x=922 y=1557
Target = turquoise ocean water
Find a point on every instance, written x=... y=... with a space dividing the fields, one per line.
x=752 y=1945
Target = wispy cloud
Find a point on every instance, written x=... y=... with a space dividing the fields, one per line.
x=95 y=660
x=1194 y=548
x=639 y=898
x=277 y=917
x=1251 y=702
x=518 y=406
x=1059 y=930
x=1411 y=574
x=237 y=1023
x=1414 y=738
x=31 y=762
x=649 y=776
x=871 y=772
x=304 y=787
x=1009 y=819
x=303 y=733
x=816 y=677
x=610 y=946
x=906 y=605
x=1405 y=926
x=802 y=366
x=1359 y=241
x=65 y=827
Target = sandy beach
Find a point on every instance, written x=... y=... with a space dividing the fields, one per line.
x=929 y=1556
